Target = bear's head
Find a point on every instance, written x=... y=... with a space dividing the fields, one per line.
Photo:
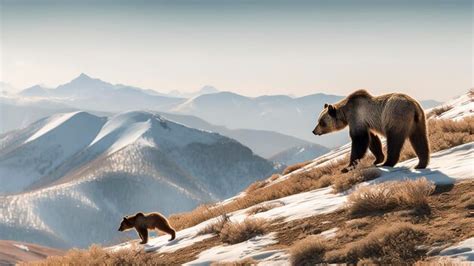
x=330 y=120
x=126 y=224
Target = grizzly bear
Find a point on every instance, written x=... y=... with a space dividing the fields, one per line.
x=396 y=116
x=142 y=222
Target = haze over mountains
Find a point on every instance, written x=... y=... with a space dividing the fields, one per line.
x=291 y=116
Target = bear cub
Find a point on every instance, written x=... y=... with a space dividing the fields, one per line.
x=396 y=116
x=142 y=222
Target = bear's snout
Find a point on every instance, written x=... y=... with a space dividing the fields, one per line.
x=316 y=132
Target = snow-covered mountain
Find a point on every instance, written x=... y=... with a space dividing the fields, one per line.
x=299 y=154
x=292 y=116
x=68 y=176
x=89 y=93
x=263 y=142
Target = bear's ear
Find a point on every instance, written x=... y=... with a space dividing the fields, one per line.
x=326 y=105
x=332 y=110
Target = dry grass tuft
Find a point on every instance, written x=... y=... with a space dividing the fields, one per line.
x=96 y=255
x=363 y=172
x=216 y=227
x=294 y=167
x=256 y=185
x=408 y=194
x=235 y=232
x=274 y=177
x=467 y=200
x=439 y=110
x=309 y=251
x=396 y=244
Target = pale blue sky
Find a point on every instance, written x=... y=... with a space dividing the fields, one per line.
x=256 y=47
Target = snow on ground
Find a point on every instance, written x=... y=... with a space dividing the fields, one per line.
x=53 y=122
x=446 y=167
x=463 y=251
x=329 y=233
x=22 y=247
x=462 y=106
x=228 y=253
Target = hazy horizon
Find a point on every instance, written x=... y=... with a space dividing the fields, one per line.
x=423 y=48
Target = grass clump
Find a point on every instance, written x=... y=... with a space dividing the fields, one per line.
x=290 y=169
x=216 y=227
x=364 y=171
x=438 y=111
x=398 y=195
x=236 y=232
x=396 y=244
x=96 y=255
x=308 y=251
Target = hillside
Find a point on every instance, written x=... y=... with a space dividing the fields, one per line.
x=12 y=252
x=312 y=213
x=105 y=168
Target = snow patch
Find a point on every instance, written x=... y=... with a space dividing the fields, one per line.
x=22 y=247
x=329 y=233
x=240 y=251
x=463 y=251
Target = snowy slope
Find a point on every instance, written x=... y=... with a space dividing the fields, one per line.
x=458 y=107
x=446 y=167
x=58 y=139
x=311 y=203
x=75 y=171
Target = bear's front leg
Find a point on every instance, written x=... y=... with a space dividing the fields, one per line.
x=360 y=144
x=143 y=232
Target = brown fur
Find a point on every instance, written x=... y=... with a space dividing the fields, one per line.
x=142 y=222
x=396 y=116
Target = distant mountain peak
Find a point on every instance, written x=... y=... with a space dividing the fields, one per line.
x=84 y=76
x=208 y=89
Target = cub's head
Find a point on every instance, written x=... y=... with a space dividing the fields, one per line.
x=126 y=224
x=330 y=120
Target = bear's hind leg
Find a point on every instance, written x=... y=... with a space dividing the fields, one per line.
x=375 y=147
x=167 y=229
x=419 y=142
x=395 y=141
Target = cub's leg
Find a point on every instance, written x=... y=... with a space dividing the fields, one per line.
x=143 y=232
x=395 y=141
x=360 y=143
x=375 y=147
